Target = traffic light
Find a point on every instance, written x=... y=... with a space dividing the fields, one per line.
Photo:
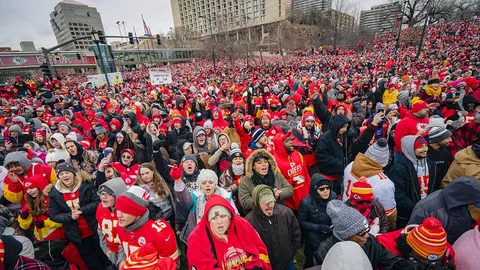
x=45 y=70
x=159 y=41
x=102 y=38
x=130 y=38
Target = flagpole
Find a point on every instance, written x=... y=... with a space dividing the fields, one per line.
x=145 y=29
x=153 y=46
x=138 y=49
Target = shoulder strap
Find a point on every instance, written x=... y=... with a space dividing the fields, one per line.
x=214 y=251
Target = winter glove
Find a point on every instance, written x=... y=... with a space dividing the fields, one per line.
x=375 y=227
x=24 y=214
x=39 y=224
x=176 y=172
x=156 y=145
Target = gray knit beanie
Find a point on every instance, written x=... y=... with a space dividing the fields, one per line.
x=15 y=128
x=346 y=221
x=207 y=174
x=379 y=152
x=115 y=187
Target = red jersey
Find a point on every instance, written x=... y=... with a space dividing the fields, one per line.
x=72 y=199
x=108 y=224
x=131 y=171
x=157 y=232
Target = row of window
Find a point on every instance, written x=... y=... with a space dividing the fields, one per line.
x=77 y=24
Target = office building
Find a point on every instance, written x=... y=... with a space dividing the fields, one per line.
x=227 y=15
x=71 y=19
x=27 y=46
x=305 y=6
x=381 y=18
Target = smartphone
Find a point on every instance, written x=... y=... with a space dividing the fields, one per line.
x=381 y=111
x=106 y=152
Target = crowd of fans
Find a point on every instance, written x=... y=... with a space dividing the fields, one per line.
x=358 y=160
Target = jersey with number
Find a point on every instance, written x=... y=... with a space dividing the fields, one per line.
x=157 y=232
x=382 y=187
x=72 y=199
x=108 y=224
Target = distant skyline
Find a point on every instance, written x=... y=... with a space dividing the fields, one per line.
x=29 y=20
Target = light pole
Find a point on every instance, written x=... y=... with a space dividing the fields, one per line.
x=247 y=39
x=420 y=45
x=96 y=39
x=397 y=44
x=211 y=34
x=120 y=31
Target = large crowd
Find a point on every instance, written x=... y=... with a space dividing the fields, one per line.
x=349 y=159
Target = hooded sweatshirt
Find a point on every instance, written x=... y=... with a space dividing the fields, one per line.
x=14 y=192
x=420 y=164
x=244 y=247
x=294 y=169
x=60 y=153
x=108 y=221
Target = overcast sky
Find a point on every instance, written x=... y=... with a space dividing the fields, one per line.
x=29 y=20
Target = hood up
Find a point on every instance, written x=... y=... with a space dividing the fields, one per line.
x=462 y=191
x=249 y=163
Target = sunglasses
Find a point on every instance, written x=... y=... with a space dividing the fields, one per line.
x=126 y=157
x=364 y=202
x=362 y=234
x=323 y=188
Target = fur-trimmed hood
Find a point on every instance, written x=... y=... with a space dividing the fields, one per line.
x=81 y=176
x=259 y=152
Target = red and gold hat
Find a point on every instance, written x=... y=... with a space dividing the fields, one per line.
x=429 y=239
x=362 y=190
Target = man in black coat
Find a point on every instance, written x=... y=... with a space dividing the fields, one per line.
x=179 y=131
x=414 y=175
x=453 y=206
x=277 y=226
x=331 y=150
x=350 y=225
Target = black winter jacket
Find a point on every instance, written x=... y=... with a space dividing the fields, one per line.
x=174 y=136
x=378 y=255
x=312 y=213
x=407 y=188
x=450 y=206
x=280 y=233
x=61 y=213
x=331 y=156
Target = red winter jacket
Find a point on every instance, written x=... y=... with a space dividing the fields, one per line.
x=205 y=251
x=294 y=169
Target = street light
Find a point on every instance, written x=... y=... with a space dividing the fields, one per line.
x=211 y=34
x=96 y=39
x=247 y=39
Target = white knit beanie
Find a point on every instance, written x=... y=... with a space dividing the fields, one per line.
x=207 y=174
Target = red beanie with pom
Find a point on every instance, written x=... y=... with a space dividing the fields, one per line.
x=429 y=239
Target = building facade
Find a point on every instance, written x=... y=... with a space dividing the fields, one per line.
x=27 y=46
x=204 y=17
x=71 y=19
x=305 y=6
x=381 y=18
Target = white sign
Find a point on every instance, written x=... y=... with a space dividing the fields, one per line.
x=160 y=76
x=100 y=80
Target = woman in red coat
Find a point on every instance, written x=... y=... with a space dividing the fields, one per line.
x=223 y=240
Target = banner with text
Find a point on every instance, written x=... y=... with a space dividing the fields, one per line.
x=100 y=80
x=160 y=76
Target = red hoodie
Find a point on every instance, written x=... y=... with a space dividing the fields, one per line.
x=219 y=124
x=294 y=169
x=410 y=125
x=244 y=249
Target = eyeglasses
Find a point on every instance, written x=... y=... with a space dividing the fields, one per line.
x=104 y=195
x=323 y=188
x=126 y=157
x=362 y=234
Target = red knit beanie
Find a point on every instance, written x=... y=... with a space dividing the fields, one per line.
x=418 y=106
x=429 y=240
x=362 y=190
x=134 y=201
x=419 y=142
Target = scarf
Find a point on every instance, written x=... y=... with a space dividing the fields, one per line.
x=137 y=225
x=364 y=208
x=268 y=179
x=432 y=92
x=201 y=202
x=238 y=169
x=390 y=97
